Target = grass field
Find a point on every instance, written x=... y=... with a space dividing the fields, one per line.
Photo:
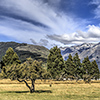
x=60 y=91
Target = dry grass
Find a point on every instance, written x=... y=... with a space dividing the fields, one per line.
x=66 y=91
x=8 y=81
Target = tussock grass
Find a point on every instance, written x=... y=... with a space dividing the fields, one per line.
x=66 y=91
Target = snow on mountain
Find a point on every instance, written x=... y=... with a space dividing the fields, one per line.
x=92 y=50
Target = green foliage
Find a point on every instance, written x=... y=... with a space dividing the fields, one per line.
x=87 y=68
x=95 y=70
x=90 y=69
x=55 y=63
x=30 y=69
x=70 y=66
x=78 y=66
x=10 y=57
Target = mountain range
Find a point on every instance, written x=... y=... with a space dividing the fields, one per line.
x=92 y=50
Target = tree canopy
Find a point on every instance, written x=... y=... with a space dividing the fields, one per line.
x=55 y=62
x=10 y=57
x=70 y=67
x=87 y=68
x=95 y=70
x=78 y=66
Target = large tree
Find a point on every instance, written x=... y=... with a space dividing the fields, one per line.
x=87 y=68
x=70 y=67
x=95 y=70
x=78 y=66
x=55 y=62
x=29 y=70
x=10 y=57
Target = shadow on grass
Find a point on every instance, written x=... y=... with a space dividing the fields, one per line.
x=14 y=92
x=42 y=91
x=37 y=91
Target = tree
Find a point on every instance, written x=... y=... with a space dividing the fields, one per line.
x=70 y=67
x=95 y=70
x=10 y=57
x=78 y=66
x=55 y=62
x=87 y=69
x=29 y=70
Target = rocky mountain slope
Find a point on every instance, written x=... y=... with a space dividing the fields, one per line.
x=87 y=49
x=25 y=50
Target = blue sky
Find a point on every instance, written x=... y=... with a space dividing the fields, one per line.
x=50 y=22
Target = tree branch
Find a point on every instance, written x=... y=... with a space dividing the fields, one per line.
x=24 y=82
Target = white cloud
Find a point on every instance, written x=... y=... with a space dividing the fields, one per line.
x=17 y=22
x=97 y=10
x=91 y=35
x=95 y=2
x=94 y=31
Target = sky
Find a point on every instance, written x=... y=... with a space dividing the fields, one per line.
x=50 y=22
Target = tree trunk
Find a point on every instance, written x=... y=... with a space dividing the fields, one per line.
x=32 y=86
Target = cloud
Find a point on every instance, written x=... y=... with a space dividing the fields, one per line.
x=67 y=39
x=91 y=35
x=23 y=20
x=97 y=9
x=33 y=41
x=52 y=2
x=42 y=42
x=94 y=31
x=95 y=2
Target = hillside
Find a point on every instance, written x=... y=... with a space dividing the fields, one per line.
x=86 y=49
x=25 y=50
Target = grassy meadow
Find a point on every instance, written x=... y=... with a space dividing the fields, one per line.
x=67 y=90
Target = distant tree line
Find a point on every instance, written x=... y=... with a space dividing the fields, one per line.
x=72 y=68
